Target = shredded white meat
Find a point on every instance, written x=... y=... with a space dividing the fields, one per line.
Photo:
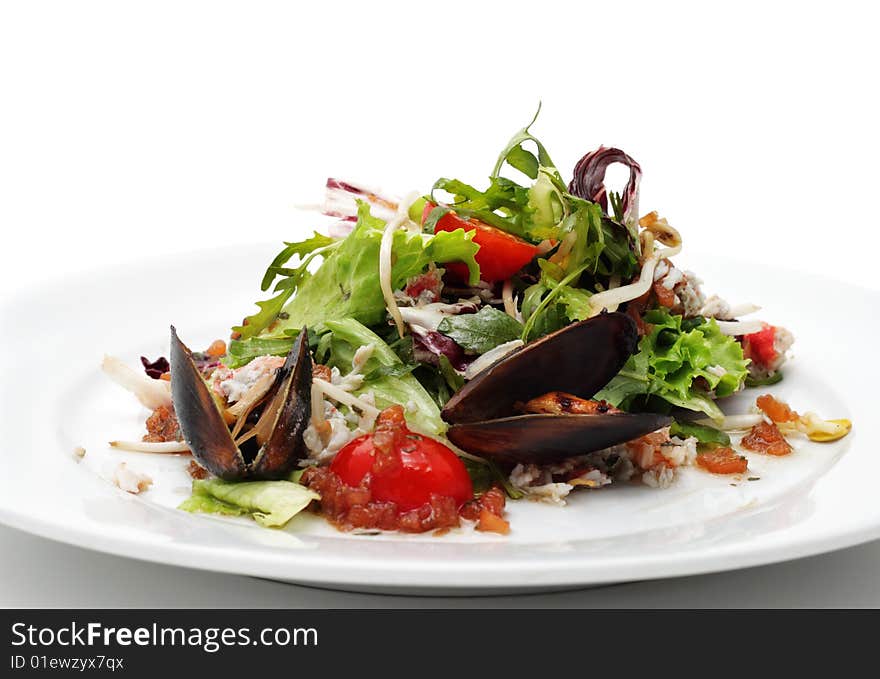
x=129 y=480
x=234 y=385
x=339 y=395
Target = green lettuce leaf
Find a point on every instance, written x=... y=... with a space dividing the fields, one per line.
x=383 y=375
x=347 y=283
x=243 y=352
x=270 y=309
x=478 y=333
x=670 y=360
x=270 y=503
x=704 y=434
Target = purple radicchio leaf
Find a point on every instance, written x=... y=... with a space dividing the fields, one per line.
x=157 y=368
x=340 y=201
x=588 y=181
x=429 y=345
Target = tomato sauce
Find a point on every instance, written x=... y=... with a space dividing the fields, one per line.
x=162 y=426
x=354 y=507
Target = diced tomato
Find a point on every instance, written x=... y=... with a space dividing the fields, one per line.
x=778 y=411
x=491 y=522
x=759 y=346
x=217 y=349
x=405 y=468
x=428 y=282
x=766 y=438
x=488 y=511
x=500 y=256
x=723 y=461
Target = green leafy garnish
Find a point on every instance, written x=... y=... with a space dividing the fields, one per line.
x=478 y=333
x=386 y=376
x=299 y=249
x=243 y=352
x=270 y=309
x=764 y=381
x=673 y=364
x=704 y=434
x=270 y=503
x=485 y=474
x=347 y=284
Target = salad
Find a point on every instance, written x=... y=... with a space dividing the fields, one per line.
x=424 y=360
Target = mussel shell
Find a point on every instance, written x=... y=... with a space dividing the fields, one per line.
x=279 y=429
x=201 y=422
x=544 y=439
x=287 y=414
x=579 y=359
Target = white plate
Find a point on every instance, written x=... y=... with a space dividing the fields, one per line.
x=823 y=497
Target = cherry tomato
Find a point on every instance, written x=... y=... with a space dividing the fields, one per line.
x=759 y=346
x=723 y=461
x=500 y=256
x=426 y=468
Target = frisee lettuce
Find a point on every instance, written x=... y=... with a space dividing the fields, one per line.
x=672 y=363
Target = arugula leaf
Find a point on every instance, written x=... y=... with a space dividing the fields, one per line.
x=546 y=210
x=673 y=363
x=515 y=150
x=478 y=333
x=270 y=309
x=300 y=249
x=504 y=204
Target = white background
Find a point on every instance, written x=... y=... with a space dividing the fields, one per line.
x=132 y=130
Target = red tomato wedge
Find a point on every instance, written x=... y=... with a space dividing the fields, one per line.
x=500 y=256
x=418 y=468
x=759 y=346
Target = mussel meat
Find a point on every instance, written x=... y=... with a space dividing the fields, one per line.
x=275 y=442
x=579 y=360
